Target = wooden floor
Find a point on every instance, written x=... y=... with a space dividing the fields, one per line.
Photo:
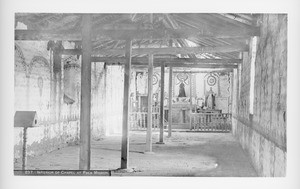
x=184 y=154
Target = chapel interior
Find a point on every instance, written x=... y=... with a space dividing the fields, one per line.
x=154 y=94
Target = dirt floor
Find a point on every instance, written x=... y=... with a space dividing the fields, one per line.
x=184 y=154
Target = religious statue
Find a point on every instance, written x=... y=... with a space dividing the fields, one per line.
x=181 y=90
x=210 y=99
x=142 y=83
x=200 y=102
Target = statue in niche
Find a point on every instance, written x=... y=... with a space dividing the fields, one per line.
x=182 y=80
x=210 y=99
x=181 y=90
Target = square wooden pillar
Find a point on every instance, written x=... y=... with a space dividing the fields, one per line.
x=162 y=97
x=125 y=128
x=85 y=104
x=191 y=101
x=170 y=102
x=149 y=115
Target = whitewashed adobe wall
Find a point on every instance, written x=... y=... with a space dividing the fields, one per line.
x=34 y=89
x=264 y=134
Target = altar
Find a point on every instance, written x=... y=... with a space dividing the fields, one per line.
x=181 y=114
x=192 y=94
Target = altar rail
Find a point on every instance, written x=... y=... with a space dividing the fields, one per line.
x=211 y=122
x=204 y=122
x=138 y=120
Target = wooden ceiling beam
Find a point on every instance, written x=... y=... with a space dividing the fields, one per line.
x=237 y=18
x=184 y=23
x=213 y=23
x=215 y=71
x=132 y=17
x=144 y=60
x=181 y=50
x=232 y=20
x=167 y=50
x=173 y=23
x=188 y=19
x=179 y=65
x=183 y=43
x=134 y=34
x=223 y=22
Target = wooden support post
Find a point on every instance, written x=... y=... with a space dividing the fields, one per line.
x=57 y=84
x=125 y=128
x=170 y=103
x=231 y=92
x=106 y=125
x=162 y=97
x=61 y=92
x=149 y=115
x=24 y=150
x=52 y=89
x=85 y=104
x=191 y=102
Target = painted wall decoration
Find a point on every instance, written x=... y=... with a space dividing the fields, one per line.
x=182 y=85
x=38 y=60
x=20 y=58
x=35 y=89
x=186 y=87
x=155 y=78
x=142 y=83
x=40 y=85
x=156 y=83
x=132 y=90
x=211 y=80
x=72 y=75
x=225 y=90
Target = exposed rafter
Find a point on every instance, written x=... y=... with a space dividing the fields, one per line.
x=201 y=35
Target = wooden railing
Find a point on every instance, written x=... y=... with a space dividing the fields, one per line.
x=211 y=122
x=138 y=120
x=205 y=122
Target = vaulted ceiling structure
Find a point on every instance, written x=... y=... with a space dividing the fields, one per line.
x=182 y=38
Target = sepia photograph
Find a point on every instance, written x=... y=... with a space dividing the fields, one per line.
x=150 y=94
